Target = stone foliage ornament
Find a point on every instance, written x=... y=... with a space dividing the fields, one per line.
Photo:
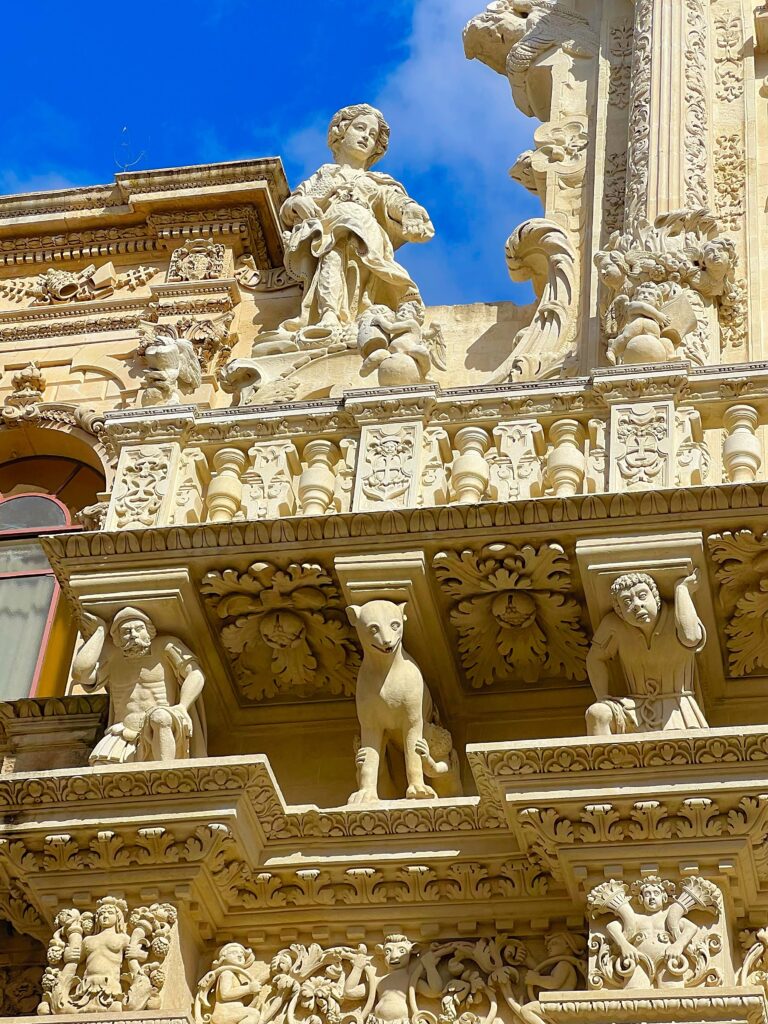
x=154 y=684
x=655 y=643
x=344 y=224
x=285 y=630
x=27 y=387
x=742 y=572
x=660 y=282
x=463 y=980
x=513 y=614
x=107 y=961
x=658 y=936
x=396 y=712
x=169 y=363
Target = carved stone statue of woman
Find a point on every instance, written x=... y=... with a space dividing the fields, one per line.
x=345 y=223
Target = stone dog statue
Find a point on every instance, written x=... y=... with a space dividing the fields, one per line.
x=395 y=709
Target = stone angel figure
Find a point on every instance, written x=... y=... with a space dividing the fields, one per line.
x=343 y=225
x=652 y=940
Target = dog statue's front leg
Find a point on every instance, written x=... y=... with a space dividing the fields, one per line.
x=414 y=766
x=367 y=761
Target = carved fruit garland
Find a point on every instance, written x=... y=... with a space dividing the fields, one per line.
x=512 y=614
x=286 y=630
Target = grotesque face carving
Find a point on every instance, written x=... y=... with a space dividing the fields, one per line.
x=281 y=629
x=379 y=624
x=397 y=951
x=636 y=600
x=133 y=638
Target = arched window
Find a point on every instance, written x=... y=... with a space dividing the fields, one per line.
x=34 y=626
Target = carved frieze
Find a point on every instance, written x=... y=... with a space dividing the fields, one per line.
x=285 y=630
x=514 y=613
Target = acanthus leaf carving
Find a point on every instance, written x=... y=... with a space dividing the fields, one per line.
x=513 y=612
x=285 y=630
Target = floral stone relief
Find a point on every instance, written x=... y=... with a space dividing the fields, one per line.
x=741 y=558
x=471 y=981
x=285 y=630
x=513 y=613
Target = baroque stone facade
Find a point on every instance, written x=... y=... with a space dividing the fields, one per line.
x=399 y=664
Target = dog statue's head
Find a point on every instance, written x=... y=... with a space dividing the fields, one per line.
x=379 y=625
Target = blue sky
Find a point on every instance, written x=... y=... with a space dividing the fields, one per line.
x=158 y=84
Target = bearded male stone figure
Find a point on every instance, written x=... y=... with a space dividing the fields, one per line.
x=655 y=642
x=154 y=685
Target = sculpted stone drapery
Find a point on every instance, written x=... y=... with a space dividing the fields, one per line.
x=655 y=643
x=345 y=223
x=154 y=684
x=107 y=962
x=653 y=939
x=395 y=709
x=478 y=981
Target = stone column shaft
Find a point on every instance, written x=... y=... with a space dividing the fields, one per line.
x=669 y=116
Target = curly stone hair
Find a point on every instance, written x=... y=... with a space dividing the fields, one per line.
x=631 y=579
x=342 y=119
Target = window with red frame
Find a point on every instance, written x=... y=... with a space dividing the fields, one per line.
x=28 y=589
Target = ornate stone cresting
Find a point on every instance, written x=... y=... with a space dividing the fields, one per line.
x=154 y=684
x=478 y=980
x=107 y=961
x=395 y=710
x=285 y=631
x=655 y=643
x=659 y=935
x=513 y=612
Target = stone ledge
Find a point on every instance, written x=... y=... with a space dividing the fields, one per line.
x=729 y=1003
x=145 y=1016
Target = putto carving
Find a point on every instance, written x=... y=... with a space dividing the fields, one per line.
x=662 y=285
x=541 y=251
x=200 y=259
x=655 y=644
x=394 y=708
x=344 y=224
x=107 y=961
x=397 y=346
x=658 y=937
x=170 y=365
x=513 y=613
x=154 y=684
x=286 y=630
x=400 y=982
x=740 y=557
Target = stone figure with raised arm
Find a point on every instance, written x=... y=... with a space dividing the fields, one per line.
x=655 y=643
x=392 y=998
x=344 y=224
x=154 y=685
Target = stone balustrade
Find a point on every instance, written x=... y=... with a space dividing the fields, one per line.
x=418 y=449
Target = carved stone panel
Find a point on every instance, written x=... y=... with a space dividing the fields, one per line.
x=641 y=446
x=388 y=467
x=144 y=487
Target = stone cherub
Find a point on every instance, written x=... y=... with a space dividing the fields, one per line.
x=154 y=685
x=655 y=643
x=109 y=962
x=652 y=940
x=395 y=709
x=344 y=223
x=233 y=991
